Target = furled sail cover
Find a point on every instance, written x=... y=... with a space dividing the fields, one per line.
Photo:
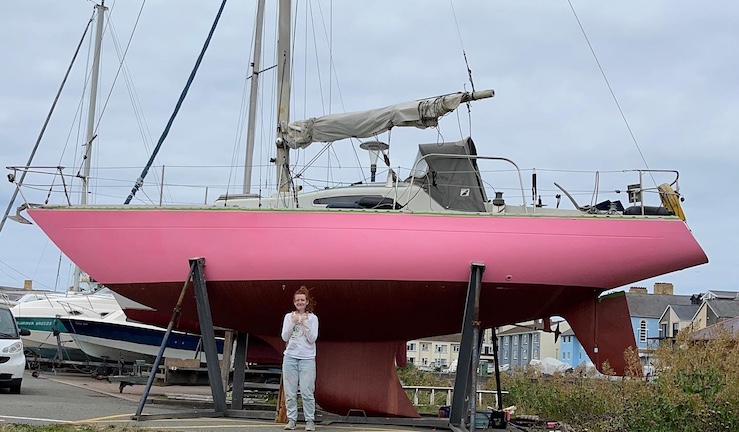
x=452 y=181
x=421 y=114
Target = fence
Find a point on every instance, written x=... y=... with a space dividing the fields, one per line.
x=435 y=396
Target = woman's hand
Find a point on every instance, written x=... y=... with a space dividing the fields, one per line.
x=294 y=318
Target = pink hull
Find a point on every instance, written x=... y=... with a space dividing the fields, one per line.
x=380 y=279
x=243 y=245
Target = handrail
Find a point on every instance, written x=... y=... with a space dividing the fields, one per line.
x=518 y=170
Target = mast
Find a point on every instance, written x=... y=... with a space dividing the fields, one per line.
x=255 y=69
x=282 y=161
x=91 y=118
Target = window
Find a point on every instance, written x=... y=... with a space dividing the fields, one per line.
x=505 y=340
x=515 y=355
x=515 y=340
x=525 y=354
x=663 y=330
x=535 y=338
x=411 y=360
x=425 y=346
x=525 y=339
x=455 y=348
x=675 y=329
x=425 y=361
x=643 y=331
x=536 y=353
x=505 y=354
x=410 y=347
x=441 y=348
x=486 y=350
x=345 y=199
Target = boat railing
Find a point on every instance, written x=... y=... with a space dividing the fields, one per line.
x=74 y=309
x=55 y=171
x=636 y=190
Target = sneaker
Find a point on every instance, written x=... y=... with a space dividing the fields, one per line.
x=310 y=426
x=290 y=425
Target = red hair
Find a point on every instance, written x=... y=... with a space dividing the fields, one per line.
x=304 y=290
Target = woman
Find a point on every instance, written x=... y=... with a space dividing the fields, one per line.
x=300 y=331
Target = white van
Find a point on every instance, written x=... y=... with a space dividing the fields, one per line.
x=12 y=358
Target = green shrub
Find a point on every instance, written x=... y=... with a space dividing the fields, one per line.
x=694 y=388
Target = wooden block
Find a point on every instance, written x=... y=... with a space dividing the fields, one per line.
x=181 y=363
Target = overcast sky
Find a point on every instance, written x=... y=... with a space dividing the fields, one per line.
x=672 y=65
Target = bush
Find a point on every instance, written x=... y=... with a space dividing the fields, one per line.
x=694 y=388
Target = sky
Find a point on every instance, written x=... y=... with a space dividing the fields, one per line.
x=668 y=101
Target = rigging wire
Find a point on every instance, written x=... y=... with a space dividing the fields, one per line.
x=243 y=111
x=461 y=43
x=469 y=76
x=140 y=181
x=25 y=276
x=121 y=64
x=143 y=126
x=46 y=123
x=610 y=89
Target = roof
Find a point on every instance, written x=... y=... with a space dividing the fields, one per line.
x=457 y=337
x=685 y=312
x=653 y=305
x=724 y=308
x=517 y=329
x=708 y=333
x=724 y=295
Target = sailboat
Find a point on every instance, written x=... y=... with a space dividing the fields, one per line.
x=540 y=262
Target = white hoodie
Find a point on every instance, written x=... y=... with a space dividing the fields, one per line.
x=300 y=337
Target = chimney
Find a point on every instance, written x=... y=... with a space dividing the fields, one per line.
x=663 y=288
x=638 y=290
x=28 y=284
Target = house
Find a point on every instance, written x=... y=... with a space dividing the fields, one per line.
x=646 y=311
x=571 y=351
x=440 y=352
x=715 y=310
x=677 y=318
x=518 y=344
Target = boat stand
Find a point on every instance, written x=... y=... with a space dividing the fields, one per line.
x=465 y=383
x=197 y=275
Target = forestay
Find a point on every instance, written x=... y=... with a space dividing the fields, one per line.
x=420 y=113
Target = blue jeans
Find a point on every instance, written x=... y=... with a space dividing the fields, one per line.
x=299 y=372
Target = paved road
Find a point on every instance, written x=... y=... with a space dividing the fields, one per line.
x=48 y=400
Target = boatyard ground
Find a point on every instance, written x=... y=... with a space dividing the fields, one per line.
x=693 y=388
x=64 y=399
